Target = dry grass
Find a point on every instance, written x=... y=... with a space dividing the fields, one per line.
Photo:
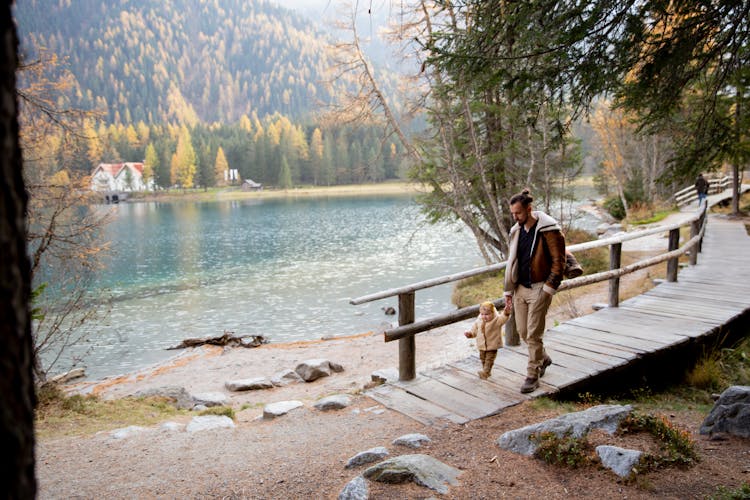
x=60 y=415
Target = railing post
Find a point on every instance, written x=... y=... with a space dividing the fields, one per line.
x=695 y=228
x=674 y=243
x=615 y=253
x=406 y=346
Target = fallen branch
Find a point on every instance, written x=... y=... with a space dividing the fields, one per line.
x=227 y=339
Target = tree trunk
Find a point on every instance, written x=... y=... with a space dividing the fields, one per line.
x=16 y=379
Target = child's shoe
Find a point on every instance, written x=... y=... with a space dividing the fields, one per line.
x=482 y=374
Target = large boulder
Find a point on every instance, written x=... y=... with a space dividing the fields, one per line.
x=248 y=384
x=367 y=457
x=730 y=414
x=209 y=422
x=421 y=469
x=313 y=369
x=211 y=399
x=179 y=396
x=411 y=440
x=619 y=460
x=273 y=410
x=334 y=402
x=577 y=424
x=356 y=489
x=285 y=377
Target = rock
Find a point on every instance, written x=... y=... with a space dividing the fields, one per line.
x=248 y=384
x=367 y=457
x=620 y=460
x=200 y=407
x=356 y=489
x=126 y=432
x=211 y=399
x=273 y=410
x=285 y=377
x=335 y=402
x=171 y=426
x=208 y=422
x=384 y=375
x=313 y=369
x=577 y=424
x=730 y=414
x=421 y=469
x=180 y=397
x=390 y=311
x=67 y=376
x=412 y=440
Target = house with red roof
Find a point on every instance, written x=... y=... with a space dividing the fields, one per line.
x=123 y=177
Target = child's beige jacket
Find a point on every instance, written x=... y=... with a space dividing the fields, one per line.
x=489 y=335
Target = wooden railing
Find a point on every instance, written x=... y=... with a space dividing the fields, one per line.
x=689 y=194
x=408 y=328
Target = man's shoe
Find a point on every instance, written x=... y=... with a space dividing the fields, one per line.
x=529 y=385
x=547 y=361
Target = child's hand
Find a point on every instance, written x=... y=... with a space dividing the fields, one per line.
x=467 y=335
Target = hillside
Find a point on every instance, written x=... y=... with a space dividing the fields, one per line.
x=165 y=61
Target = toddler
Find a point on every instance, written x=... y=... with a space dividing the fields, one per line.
x=488 y=330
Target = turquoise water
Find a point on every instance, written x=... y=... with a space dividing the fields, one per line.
x=285 y=269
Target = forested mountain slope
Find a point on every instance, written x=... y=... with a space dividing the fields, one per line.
x=183 y=60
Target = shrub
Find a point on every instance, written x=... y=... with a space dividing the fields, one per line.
x=614 y=206
x=566 y=451
x=677 y=445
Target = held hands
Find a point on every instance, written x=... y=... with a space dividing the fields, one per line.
x=508 y=305
x=467 y=335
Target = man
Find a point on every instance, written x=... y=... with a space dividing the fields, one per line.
x=536 y=261
x=701 y=187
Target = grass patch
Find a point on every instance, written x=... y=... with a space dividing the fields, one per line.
x=226 y=411
x=477 y=289
x=723 y=493
x=650 y=217
x=59 y=415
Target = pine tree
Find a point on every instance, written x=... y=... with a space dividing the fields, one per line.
x=285 y=174
x=150 y=165
x=221 y=168
x=185 y=165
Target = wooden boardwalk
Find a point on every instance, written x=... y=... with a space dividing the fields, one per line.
x=592 y=348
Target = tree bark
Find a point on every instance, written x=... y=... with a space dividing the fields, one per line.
x=16 y=378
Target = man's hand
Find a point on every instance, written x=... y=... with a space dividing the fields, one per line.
x=508 y=305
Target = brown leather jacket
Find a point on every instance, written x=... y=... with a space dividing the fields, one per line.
x=548 y=259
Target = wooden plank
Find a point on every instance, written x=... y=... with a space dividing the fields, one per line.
x=475 y=386
x=505 y=380
x=555 y=344
x=647 y=337
x=697 y=306
x=576 y=364
x=596 y=347
x=706 y=292
x=420 y=410
x=673 y=308
x=681 y=326
x=635 y=345
x=456 y=401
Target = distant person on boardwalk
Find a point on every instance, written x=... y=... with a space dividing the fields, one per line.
x=701 y=187
x=488 y=330
x=536 y=262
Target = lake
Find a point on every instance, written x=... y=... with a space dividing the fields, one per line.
x=282 y=268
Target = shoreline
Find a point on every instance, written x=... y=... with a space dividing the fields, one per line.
x=235 y=193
